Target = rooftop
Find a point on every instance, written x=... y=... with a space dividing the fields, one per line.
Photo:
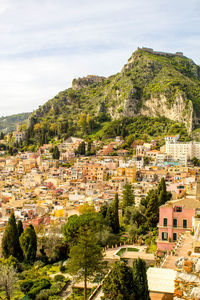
x=161 y=280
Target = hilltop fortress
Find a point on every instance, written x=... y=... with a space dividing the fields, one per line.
x=160 y=53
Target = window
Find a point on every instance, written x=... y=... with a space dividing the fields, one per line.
x=165 y=222
x=164 y=236
x=174 y=222
x=178 y=208
x=174 y=236
x=184 y=223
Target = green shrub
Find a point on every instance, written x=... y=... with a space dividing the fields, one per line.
x=59 y=277
x=38 y=286
x=26 y=285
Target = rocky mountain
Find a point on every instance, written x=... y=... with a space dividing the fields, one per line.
x=154 y=84
x=9 y=123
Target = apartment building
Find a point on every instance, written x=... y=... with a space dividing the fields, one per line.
x=182 y=150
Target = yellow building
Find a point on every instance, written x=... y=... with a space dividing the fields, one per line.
x=129 y=173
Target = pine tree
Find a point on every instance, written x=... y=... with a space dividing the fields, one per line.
x=20 y=227
x=28 y=242
x=140 y=282
x=10 y=240
x=86 y=258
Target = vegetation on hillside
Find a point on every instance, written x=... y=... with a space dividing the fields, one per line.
x=8 y=124
x=93 y=106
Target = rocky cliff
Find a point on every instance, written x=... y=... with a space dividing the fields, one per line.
x=152 y=84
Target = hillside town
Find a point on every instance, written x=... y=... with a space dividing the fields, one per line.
x=42 y=191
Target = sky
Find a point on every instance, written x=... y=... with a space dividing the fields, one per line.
x=45 y=44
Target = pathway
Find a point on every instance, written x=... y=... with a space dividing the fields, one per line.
x=185 y=246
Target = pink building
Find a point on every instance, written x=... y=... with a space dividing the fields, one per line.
x=175 y=217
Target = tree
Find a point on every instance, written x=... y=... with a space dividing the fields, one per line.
x=103 y=210
x=28 y=242
x=86 y=208
x=134 y=215
x=118 y=285
x=81 y=149
x=163 y=195
x=86 y=258
x=152 y=212
x=140 y=282
x=89 y=147
x=115 y=212
x=56 y=153
x=71 y=229
x=20 y=227
x=128 y=198
x=132 y=232
x=112 y=214
x=196 y=161
x=10 y=240
x=8 y=279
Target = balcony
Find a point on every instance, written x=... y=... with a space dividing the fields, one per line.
x=172 y=227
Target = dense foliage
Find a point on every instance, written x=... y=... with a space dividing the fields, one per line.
x=10 y=241
x=124 y=282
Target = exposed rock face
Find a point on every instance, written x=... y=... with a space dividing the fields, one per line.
x=179 y=110
x=80 y=83
x=129 y=106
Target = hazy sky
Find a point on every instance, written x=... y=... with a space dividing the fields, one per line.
x=44 y=44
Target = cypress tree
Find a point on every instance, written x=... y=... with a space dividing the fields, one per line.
x=103 y=210
x=20 y=228
x=112 y=214
x=118 y=285
x=152 y=211
x=140 y=282
x=10 y=240
x=89 y=146
x=128 y=198
x=81 y=149
x=28 y=242
x=164 y=196
x=116 y=214
x=56 y=153
x=109 y=217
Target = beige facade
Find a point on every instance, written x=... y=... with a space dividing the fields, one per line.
x=177 y=150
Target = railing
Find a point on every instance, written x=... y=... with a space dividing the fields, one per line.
x=177 y=244
x=197 y=232
x=163 y=260
x=98 y=288
x=172 y=252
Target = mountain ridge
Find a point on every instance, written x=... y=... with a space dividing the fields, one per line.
x=153 y=84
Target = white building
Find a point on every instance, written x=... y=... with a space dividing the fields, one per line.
x=183 y=150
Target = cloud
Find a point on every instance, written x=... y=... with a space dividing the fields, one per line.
x=44 y=44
